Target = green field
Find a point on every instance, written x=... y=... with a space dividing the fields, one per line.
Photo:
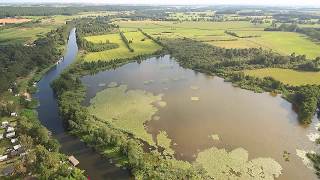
x=140 y=44
x=287 y=76
x=27 y=34
x=213 y=33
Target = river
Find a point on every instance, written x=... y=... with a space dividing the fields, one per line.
x=95 y=166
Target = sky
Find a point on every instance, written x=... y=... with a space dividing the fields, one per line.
x=184 y=2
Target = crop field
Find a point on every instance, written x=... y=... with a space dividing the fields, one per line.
x=29 y=33
x=141 y=45
x=13 y=20
x=213 y=33
x=287 y=76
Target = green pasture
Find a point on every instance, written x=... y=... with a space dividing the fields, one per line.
x=213 y=33
x=287 y=76
x=140 y=43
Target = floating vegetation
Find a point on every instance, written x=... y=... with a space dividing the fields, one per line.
x=221 y=164
x=131 y=108
x=194 y=98
x=156 y=118
x=194 y=87
x=161 y=104
x=215 y=137
x=112 y=84
x=102 y=84
x=165 y=80
x=165 y=142
x=147 y=82
x=303 y=155
x=313 y=136
x=166 y=66
x=286 y=156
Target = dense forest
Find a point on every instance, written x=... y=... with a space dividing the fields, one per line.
x=19 y=60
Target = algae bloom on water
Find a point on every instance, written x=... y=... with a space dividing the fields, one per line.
x=127 y=110
x=194 y=98
x=221 y=164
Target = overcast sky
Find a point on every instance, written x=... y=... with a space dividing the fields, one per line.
x=184 y=2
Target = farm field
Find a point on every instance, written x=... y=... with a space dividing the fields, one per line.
x=213 y=33
x=29 y=33
x=287 y=76
x=14 y=20
x=141 y=45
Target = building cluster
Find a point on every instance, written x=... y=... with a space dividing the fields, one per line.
x=14 y=150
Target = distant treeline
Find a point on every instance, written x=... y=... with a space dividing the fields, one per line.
x=313 y=33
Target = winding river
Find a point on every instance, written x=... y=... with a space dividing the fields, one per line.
x=95 y=166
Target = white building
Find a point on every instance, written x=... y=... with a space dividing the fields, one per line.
x=14 y=114
x=10 y=135
x=4 y=124
x=1 y=136
x=14 y=140
x=2 y=158
x=10 y=129
x=16 y=147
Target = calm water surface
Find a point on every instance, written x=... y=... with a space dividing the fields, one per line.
x=264 y=125
x=94 y=165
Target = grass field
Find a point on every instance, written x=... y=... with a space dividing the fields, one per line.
x=28 y=34
x=140 y=44
x=287 y=76
x=213 y=33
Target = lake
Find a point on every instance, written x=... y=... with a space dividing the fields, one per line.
x=200 y=105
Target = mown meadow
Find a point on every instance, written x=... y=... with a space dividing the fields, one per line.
x=287 y=76
x=140 y=44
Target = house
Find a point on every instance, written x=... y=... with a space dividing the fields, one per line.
x=1 y=136
x=14 y=114
x=3 y=158
x=14 y=140
x=73 y=160
x=4 y=124
x=10 y=135
x=16 y=147
x=10 y=129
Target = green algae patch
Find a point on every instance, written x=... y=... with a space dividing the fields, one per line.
x=221 y=164
x=161 y=104
x=147 y=82
x=156 y=118
x=127 y=110
x=215 y=137
x=112 y=84
x=165 y=142
x=194 y=98
x=194 y=87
